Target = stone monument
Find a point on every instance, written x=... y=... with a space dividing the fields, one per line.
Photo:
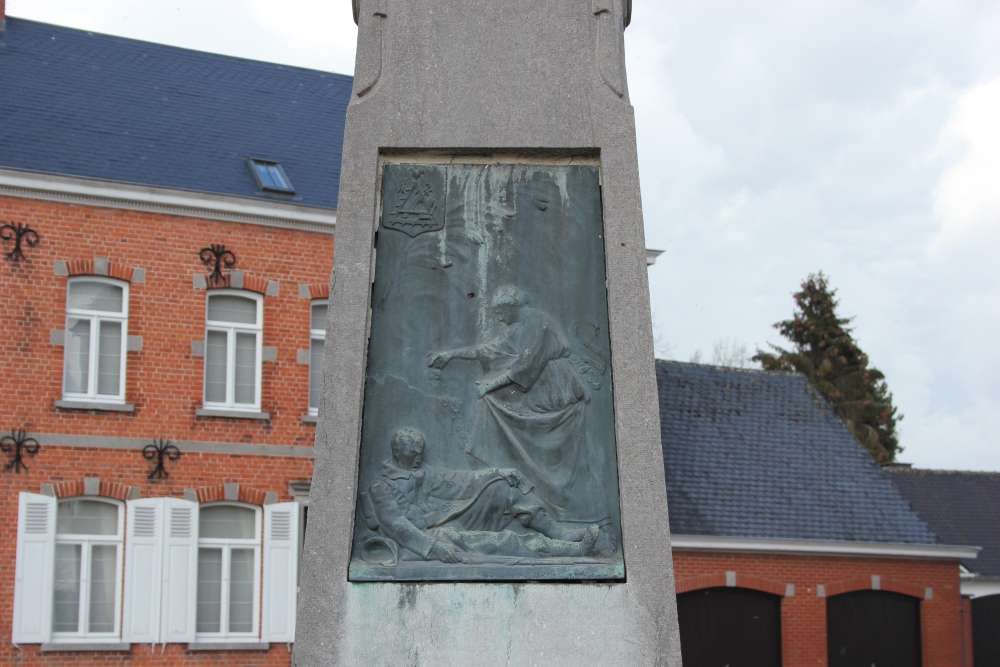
x=488 y=486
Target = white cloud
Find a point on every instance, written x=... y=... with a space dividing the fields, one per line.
x=967 y=197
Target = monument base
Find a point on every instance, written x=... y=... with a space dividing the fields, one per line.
x=493 y=624
x=512 y=82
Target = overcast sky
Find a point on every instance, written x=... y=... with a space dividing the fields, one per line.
x=775 y=139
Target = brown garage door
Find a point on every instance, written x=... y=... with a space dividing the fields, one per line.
x=737 y=627
x=867 y=628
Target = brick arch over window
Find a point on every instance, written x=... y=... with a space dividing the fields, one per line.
x=731 y=580
x=217 y=493
x=239 y=281
x=78 y=487
x=318 y=290
x=877 y=583
x=85 y=267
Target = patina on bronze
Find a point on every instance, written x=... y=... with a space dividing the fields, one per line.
x=488 y=436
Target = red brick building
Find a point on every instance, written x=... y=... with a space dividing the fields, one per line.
x=129 y=173
x=791 y=546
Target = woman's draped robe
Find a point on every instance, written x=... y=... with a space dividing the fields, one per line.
x=536 y=424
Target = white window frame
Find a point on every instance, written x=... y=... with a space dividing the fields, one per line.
x=231 y=329
x=96 y=317
x=86 y=542
x=227 y=545
x=316 y=334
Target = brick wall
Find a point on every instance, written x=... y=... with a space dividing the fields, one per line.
x=163 y=380
x=803 y=614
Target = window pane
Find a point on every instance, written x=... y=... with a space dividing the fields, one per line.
x=241 y=590
x=227 y=521
x=102 y=588
x=315 y=371
x=246 y=368
x=264 y=172
x=77 y=356
x=229 y=308
x=109 y=357
x=208 y=617
x=86 y=517
x=215 y=367
x=66 y=589
x=85 y=295
x=318 y=317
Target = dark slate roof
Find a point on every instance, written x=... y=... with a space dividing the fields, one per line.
x=83 y=104
x=760 y=454
x=961 y=507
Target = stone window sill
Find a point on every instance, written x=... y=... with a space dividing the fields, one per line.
x=87 y=405
x=231 y=414
x=310 y=419
x=230 y=646
x=83 y=646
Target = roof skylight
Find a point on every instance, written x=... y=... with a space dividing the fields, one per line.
x=270 y=176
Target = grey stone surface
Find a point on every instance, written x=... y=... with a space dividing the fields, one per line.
x=236 y=279
x=271 y=497
x=302 y=357
x=134 y=492
x=57 y=337
x=191 y=494
x=232 y=491
x=304 y=292
x=48 y=490
x=230 y=646
x=138 y=276
x=59 y=268
x=100 y=266
x=231 y=414
x=197 y=348
x=88 y=405
x=479 y=77
x=273 y=287
x=91 y=486
x=268 y=353
x=88 y=647
x=199 y=281
x=135 y=343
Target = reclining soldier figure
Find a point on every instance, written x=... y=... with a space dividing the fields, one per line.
x=449 y=515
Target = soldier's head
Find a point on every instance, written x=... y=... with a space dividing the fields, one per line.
x=408 y=448
x=506 y=302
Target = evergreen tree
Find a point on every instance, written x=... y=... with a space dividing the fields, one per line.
x=826 y=353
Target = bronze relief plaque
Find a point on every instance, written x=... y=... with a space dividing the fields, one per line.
x=488 y=436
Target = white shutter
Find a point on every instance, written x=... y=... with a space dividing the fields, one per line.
x=180 y=570
x=36 y=545
x=143 y=570
x=281 y=567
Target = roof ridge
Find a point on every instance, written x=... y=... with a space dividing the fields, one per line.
x=149 y=43
x=715 y=367
x=940 y=471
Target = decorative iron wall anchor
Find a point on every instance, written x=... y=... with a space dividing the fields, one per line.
x=217 y=258
x=161 y=450
x=20 y=444
x=18 y=233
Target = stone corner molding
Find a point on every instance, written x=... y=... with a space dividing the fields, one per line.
x=154 y=199
x=706 y=543
x=232 y=414
x=98 y=407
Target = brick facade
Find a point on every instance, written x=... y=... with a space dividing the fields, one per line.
x=803 y=612
x=159 y=255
